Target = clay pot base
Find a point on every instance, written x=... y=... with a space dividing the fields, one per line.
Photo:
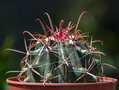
x=106 y=84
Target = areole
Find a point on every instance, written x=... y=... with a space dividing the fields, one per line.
x=106 y=84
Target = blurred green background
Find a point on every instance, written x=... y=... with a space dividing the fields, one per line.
x=101 y=21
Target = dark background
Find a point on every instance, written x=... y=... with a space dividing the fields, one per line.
x=101 y=21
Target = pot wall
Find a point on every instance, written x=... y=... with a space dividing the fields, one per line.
x=107 y=84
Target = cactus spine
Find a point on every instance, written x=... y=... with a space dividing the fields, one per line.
x=61 y=56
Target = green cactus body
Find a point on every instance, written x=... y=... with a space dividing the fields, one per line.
x=62 y=64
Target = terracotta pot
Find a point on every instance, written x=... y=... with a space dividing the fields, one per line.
x=106 y=84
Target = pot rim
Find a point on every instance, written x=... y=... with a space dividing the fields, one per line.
x=105 y=80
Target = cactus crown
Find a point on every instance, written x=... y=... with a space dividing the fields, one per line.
x=61 y=55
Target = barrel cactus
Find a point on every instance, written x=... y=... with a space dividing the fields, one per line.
x=60 y=55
